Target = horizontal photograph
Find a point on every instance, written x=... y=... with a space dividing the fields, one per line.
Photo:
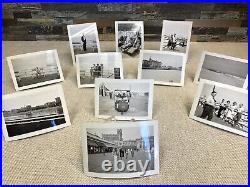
x=223 y=69
x=121 y=149
x=166 y=68
x=221 y=106
x=124 y=99
x=83 y=38
x=176 y=36
x=33 y=112
x=129 y=36
x=98 y=65
x=35 y=69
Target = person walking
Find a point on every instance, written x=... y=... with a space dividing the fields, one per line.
x=209 y=106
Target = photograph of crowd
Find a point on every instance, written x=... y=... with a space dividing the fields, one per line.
x=176 y=36
x=129 y=37
x=35 y=69
x=122 y=149
x=124 y=99
x=166 y=68
x=83 y=38
x=223 y=69
x=98 y=65
x=222 y=105
x=34 y=112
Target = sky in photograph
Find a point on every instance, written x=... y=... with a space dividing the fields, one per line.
x=166 y=59
x=134 y=87
x=109 y=60
x=128 y=133
x=181 y=29
x=227 y=94
x=32 y=99
x=34 y=60
x=228 y=66
x=129 y=26
x=88 y=29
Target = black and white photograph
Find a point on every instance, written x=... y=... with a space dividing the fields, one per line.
x=83 y=38
x=121 y=149
x=35 y=69
x=221 y=106
x=176 y=36
x=224 y=69
x=124 y=99
x=129 y=36
x=98 y=65
x=34 y=112
x=166 y=68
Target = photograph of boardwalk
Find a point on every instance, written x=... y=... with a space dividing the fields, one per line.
x=227 y=107
x=176 y=36
x=124 y=98
x=162 y=67
x=224 y=69
x=34 y=69
x=33 y=112
x=99 y=65
x=129 y=37
x=84 y=38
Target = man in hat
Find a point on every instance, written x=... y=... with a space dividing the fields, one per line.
x=208 y=109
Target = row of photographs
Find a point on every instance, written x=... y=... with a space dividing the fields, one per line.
x=165 y=68
x=129 y=37
x=41 y=110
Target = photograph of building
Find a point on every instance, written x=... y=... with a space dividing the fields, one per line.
x=129 y=37
x=162 y=67
x=98 y=65
x=223 y=69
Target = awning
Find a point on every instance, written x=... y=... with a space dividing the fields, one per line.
x=92 y=143
x=100 y=144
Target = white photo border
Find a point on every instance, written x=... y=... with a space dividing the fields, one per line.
x=131 y=124
x=69 y=27
x=168 y=53
x=12 y=73
x=92 y=54
x=125 y=118
x=196 y=100
x=57 y=88
x=204 y=53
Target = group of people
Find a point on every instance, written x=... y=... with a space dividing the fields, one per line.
x=229 y=112
x=172 y=41
x=226 y=110
x=125 y=42
x=121 y=153
x=96 y=70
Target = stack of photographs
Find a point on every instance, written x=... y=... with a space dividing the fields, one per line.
x=98 y=65
x=127 y=99
x=121 y=150
x=35 y=69
x=222 y=106
x=33 y=112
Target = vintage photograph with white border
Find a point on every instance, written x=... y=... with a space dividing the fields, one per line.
x=83 y=38
x=166 y=68
x=35 y=69
x=34 y=112
x=124 y=99
x=98 y=65
x=224 y=69
x=120 y=149
x=129 y=37
x=221 y=106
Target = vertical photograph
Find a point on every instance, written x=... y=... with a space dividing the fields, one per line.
x=125 y=99
x=83 y=38
x=224 y=69
x=34 y=112
x=222 y=106
x=35 y=69
x=98 y=65
x=121 y=149
x=166 y=68
x=129 y=36
x=176 y=36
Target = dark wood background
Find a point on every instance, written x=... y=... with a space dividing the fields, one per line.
x=47 y=21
